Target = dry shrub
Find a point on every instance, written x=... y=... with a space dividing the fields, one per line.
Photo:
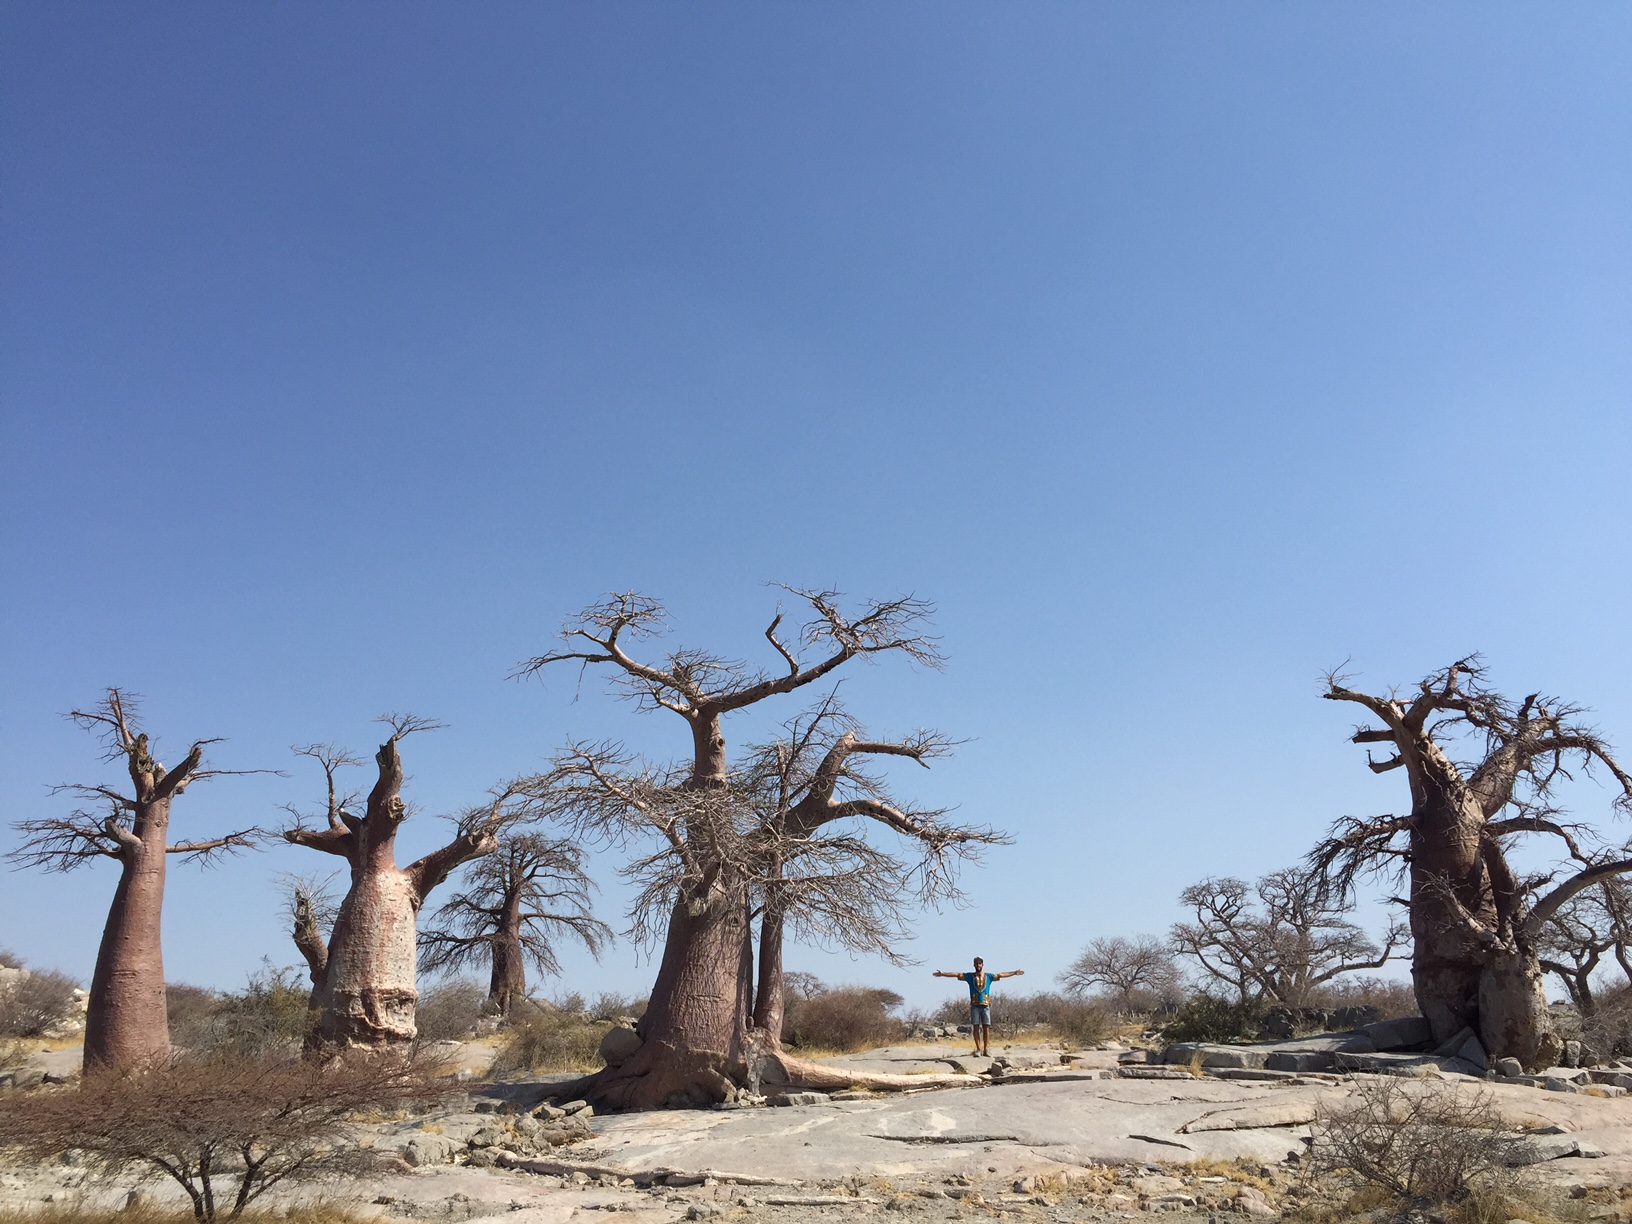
x=33 y=1005
x=542 y=1038
x=9 y=959
x=270 y=1016
x=610 y=1006
x=152 y=1213
x=1392 y=999
x=449 y=1010
x=223 y=1127
x=1419 y=1142
x=843 y=1018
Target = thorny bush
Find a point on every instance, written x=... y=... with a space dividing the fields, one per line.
x=270 y=1016
x=1420 y=1142
x=225 y=1128
x=449 y=1010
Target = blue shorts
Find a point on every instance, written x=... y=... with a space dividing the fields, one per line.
x=979 y=1015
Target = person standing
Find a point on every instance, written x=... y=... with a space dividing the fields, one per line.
x=980 y=1001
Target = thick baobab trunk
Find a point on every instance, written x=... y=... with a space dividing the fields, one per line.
x=1513 y=1017
x=369 y=991
x=509 y=978
x=694 y=1029
x=1449 y=886
x=126 y=1022
x=366 y=991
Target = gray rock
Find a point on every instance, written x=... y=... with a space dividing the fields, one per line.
x=1398 y=1034
x=1184 y=1052
x=1553 y=1084
x=425 y=1150
x=1453 y=1047
x=1509 y=1068
x=488 y=1136
x=27 y=1077
x=1472 y=1051
x=619 y=1045
x=1617 y=1079
x=1308 y=1060
x=799 y=1098
x=1572 y=1053
x=572 y=1107
x=704 y=1211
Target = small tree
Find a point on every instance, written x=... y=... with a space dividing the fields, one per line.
x=364 y=979
x=516 y=903
x=1572 y=942
x=125 y=1015
x=1136 y=974
x=1276 y=940
x=225 y=1129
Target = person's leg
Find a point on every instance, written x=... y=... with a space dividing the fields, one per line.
x=985 y=1041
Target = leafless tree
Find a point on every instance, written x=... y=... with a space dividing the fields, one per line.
x=1277 y=940
x=1474 y=920
x=1137 y=974
x=125 y=1021
x=226 y=1129
x=516 y=903
x=1572 y=942
x=703 y=835
x=364 y=974
x=814 y=799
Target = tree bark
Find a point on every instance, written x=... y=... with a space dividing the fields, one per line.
x=368 y=990
x=126 y=1022
x=693 y=1030
x=768 y=997
x=508 y=981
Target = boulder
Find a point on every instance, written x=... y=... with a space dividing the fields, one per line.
x=1509 y=1068
x=1401 y=1034
x=798 y=1098
x=426 y=1150
x=619 y=1045
x=1185 y=1052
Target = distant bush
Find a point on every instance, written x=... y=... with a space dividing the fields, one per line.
x=609 y=1006
x=188 y=1009
x=9 y=960
x=31 y=1006
x=843 y=1018
x=1206 y=1017
x=449 y=1010
x=1392 y=999
x=550 y=1039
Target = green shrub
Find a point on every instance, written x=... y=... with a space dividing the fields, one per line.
x=1206 y=1017
x=269 y=1016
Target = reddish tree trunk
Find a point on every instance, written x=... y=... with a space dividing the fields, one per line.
x=768 y=1001
x=694 y=1028
x=125 y=1020
x=509 y=978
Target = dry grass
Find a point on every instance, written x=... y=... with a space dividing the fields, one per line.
x=540 y=1040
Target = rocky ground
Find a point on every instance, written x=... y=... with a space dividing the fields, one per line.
x=1047 y=1137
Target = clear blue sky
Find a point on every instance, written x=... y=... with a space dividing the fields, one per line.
x=1177 y=351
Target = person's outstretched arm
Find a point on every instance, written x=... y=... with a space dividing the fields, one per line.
x=944 y=973
x=1011 y=973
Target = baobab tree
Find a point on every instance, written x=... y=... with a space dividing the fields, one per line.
x=1278 y=940
x=1476 y=923
x=125 y=1020
x=364 y=978
x=703 y=875
x=515 y=905
x=812 y=798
